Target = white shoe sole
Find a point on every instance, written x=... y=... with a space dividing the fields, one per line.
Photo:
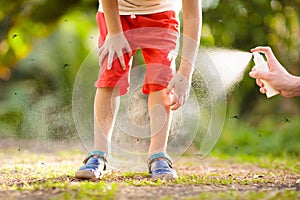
x=166 y=177
x=85 y=174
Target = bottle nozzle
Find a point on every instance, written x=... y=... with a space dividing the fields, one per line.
x=258 y=58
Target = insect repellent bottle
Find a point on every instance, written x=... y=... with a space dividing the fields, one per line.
x=261 y=64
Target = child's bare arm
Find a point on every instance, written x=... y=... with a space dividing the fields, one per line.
x=181 y=81
x=192 y=21
x=111 y=13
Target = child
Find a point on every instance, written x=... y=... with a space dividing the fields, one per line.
x=151 y=25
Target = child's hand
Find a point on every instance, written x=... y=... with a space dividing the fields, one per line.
x=114 y=44
x=180 y=87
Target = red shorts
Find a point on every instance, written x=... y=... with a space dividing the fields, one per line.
x=156 y=35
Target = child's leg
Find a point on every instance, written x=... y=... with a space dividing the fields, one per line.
x=159 y=164
x=105 y=109
x=160 y=120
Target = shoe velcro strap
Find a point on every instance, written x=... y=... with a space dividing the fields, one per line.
x=101 y=155
x=160 y=158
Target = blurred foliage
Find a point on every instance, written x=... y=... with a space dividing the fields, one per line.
x=274 y=136
x=43 y=43
x=42 y=46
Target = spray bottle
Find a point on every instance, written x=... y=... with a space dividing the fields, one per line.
x=261 y=64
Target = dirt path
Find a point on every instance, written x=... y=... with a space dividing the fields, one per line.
x=197 y=176
x=212 y=175
x=209 y=175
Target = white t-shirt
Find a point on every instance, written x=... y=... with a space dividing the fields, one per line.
x=142 y=7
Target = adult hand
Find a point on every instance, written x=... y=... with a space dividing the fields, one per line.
x=277 y=77
x=114 y=45
x=179 y=86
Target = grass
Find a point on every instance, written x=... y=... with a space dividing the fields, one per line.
x=260 y=136
x=248 y=162
x=51 y=176
x=213 y=179
x=50 y=173
x=249 y=195
x=89 y=190
x=268 y=161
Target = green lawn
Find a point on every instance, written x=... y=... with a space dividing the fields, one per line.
x=252 y=160
x=28 y=175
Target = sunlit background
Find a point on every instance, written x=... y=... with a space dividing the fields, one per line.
x=44 y=42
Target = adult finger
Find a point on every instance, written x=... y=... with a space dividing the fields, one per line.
x=266 y=50
x=252 y=74
x=259 y=74
x=263 y=90
x=259 y=83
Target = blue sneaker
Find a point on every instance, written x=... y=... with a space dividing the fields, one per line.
x=161 y=168
x=94 y=166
